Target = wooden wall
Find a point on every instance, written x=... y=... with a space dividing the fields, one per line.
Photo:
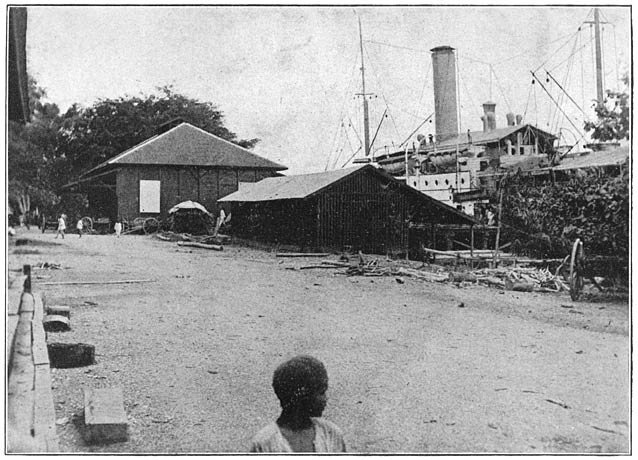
x=177 y=184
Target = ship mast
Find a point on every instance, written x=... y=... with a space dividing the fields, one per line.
x=366 y=121
x=599 y=61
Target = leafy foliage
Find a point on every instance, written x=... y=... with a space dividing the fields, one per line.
x=90 y=136
x=54 y=149
x=613 y=117
x=592 y=207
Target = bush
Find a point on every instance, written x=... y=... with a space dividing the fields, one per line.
x=546 y=219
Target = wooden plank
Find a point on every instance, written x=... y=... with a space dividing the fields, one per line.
x=44 y=411
x=214 y=247
x=20 y=391
x=40 y=352
x=68 y=283
x=302 y=254
x=62 y=310
x=11 y=325
x=104 y=416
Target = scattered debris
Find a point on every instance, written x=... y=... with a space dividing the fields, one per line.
x=214 y=247
x=603 y=429
x=399 y=280
x=62 y=421
x=88 y=302
x=558 y=403
x=46 y=266
x=461 y=305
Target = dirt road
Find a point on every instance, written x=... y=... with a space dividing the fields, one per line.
x=410 y=370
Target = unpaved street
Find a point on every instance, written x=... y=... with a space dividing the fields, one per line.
x=410 y=371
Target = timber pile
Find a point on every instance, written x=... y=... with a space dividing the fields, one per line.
x=197 y=241
x=511 y=278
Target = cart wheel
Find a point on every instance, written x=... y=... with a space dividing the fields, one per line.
x=151 y=225
x=576 y=266
x=87 y=224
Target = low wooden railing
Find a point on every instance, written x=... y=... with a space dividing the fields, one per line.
x=30 y=411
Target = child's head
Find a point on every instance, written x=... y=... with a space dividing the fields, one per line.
x=301 y=384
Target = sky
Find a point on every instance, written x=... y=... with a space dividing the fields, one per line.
x=289 y=75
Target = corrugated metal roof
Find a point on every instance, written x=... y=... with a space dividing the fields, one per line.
x=595 y=159
x=304 y=185
x=288 y=187
x=187 y=145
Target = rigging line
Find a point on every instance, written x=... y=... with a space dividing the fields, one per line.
x=469 y=94
x=374 y=69
x=582 y=72
x=343 y=104
x=536 y=105
x=616 y=55
x=458 y=96
x=566 y=93
x=378 y=128
x=591 y=39
x=529 y=94
x=425 y=80
x=602 y=56
x=413 y=115
x=351 y=157
x=339 y=148
x=554 y=101
x=417 y=128
x=352 y=125
x=556 y=52
x=498 y=83
x=395 y=46
x=501 y=61
x=566 y=59
x=570 y=61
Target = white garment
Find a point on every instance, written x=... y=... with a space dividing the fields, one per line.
x=328 y=438
x=61 y=224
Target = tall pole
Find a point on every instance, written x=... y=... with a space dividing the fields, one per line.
x=366 y=121
x=599 y=63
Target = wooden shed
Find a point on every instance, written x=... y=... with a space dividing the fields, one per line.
x=362 y=208
x=181 y=163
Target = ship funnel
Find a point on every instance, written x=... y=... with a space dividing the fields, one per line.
x=510 y=119
x=519 y=119
x=445 y=103
x=489 y=117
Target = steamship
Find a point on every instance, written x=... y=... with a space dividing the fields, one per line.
x=459 y=168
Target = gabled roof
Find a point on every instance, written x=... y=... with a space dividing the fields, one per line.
x=187 y=145
x=305 y=185
x=288 y=187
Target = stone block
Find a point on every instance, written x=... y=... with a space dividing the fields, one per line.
x=59 y=310
x=104 y=416
x=64 y=355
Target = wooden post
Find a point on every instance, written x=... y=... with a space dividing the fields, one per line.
x=498 y=227
x=26 y=271
x=472 y=246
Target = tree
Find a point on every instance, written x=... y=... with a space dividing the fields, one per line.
x=32 y=156
x=90 y=136
x=613 y=116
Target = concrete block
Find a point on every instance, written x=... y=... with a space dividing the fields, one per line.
x=60 y=310
x=104 y=416
x=65 y=355
x=56 y=323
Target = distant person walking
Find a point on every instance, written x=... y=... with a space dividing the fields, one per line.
x=80 y=227
x=300 y=384
x=118 y=226
x=61 y=226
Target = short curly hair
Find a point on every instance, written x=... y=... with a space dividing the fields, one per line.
x=298 y=378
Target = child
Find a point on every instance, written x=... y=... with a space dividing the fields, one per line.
x=118 y=226
x=80 y=227
x=61 y=227
x=300 y=384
